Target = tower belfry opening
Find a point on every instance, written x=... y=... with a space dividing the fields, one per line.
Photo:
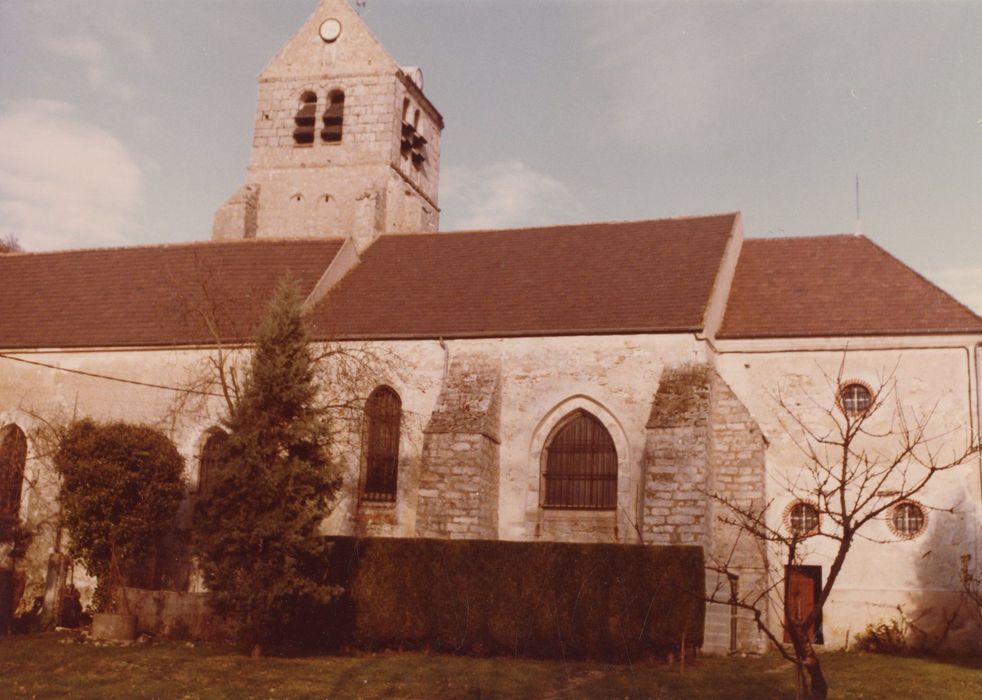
x=337 y=114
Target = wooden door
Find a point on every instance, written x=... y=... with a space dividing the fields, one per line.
x=802 y=585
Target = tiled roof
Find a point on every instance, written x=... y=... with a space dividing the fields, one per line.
x=834 y=286
x=648 y=276
x=153 y=295
x=653 y=276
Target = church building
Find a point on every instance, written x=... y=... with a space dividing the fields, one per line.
x=604 y=382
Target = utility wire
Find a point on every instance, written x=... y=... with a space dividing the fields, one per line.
x=182 y=390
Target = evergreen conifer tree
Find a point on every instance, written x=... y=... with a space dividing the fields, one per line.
x=257 y=527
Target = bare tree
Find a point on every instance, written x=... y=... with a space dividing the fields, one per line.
x=971 y=581
x=202 y=302
x=9 y=244
x=864 y=453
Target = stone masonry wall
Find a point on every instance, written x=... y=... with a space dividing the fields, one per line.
x=459 y=483
x=736 y=477
x=702 y=441
x=237 y=217
x=676 y=458
x=321 y=188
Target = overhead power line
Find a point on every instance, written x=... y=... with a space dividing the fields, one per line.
x=96 y=375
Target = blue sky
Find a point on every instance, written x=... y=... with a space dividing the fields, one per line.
x=129 y=121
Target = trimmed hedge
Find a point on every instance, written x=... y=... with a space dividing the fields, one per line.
x=540 y=599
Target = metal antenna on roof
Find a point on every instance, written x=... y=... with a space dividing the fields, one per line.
x=859 y=223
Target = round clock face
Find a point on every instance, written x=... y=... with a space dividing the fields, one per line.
x=330 y=30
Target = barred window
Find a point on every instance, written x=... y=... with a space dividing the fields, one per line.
x=333 y=118
x=802 y=518
x=581 y=466
x=383 y=414
x=855 y=398
x=13 y=457
x=306 y=120
x=907 y=520
x=212 y=454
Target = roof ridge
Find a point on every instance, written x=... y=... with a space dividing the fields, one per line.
x=810 y=236
x=579 y=224
x=174 y=245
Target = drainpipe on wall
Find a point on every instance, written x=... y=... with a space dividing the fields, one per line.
x=978 y=414
x=446 y=359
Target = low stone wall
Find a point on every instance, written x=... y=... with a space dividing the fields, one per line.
x=173 y=614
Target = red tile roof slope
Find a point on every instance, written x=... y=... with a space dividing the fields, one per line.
x=653 y=276
x=151 y=295
x=834 y=286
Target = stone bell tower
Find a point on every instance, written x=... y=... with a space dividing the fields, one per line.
x=346 y=143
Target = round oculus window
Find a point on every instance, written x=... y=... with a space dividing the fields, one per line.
x=802 y=518
x=855 y=398
x=330 y=30
x=907 y=520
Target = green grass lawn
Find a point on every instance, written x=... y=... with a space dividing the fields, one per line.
x=48 y=666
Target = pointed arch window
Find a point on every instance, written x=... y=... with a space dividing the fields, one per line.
x=13 y=457
x=305 y=120
x=383 y=415
x=210 y=461
x=333 y=117
x=580 y=471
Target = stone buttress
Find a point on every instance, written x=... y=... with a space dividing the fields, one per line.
x=459 y=480
x=704 y=450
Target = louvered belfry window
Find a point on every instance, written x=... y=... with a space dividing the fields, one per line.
x=13 y=457
x=333 y=118
x=212 y=454
x=306 y=120
x=581 y=466
x=383 y=413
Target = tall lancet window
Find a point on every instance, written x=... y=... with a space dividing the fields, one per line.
x=580 y=466
x=333 y=117
x=13 y=457
x=383 y=414
x=210 y=461
x=306 y=120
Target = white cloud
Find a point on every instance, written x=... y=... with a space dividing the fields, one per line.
x=964 y=283
x=504 y=195
x=64 y=182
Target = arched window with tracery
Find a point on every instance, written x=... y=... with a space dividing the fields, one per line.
x=383 y=415
x=306 y=120
x=580 y=471
x=13 y=457
x=210 y=461
x=334 y=117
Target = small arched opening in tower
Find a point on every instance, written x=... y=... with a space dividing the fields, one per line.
x=406 y=146
x=333 y=117
x=418 y=143
x=306 y=120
